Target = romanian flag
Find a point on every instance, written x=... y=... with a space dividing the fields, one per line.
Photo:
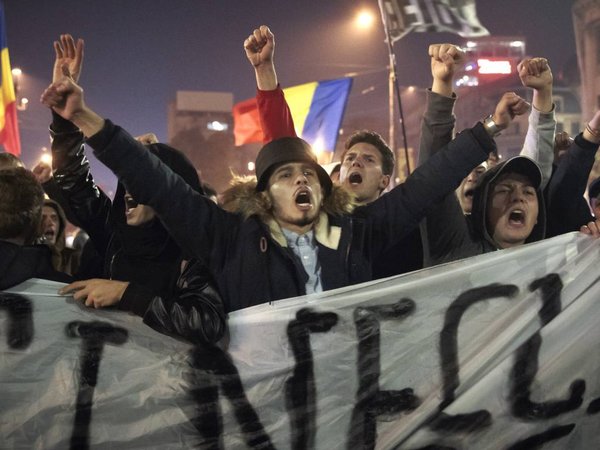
x=317 y=110
x=9 y=129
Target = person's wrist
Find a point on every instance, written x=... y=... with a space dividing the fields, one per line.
x=442 y=87
x=492 y=125
x=591 y=134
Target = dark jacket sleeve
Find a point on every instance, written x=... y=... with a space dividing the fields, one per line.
x=567 y=209
x=444 y=229
x=87 y=204
x=275 y=116
x=193 y=221
x=397 y=213
x=194 y=312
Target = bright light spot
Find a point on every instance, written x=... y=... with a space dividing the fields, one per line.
x=410 y=89
x=318 y=147
x=487 y=66
x=16 y=72
x=469 y=67
x=517 y=44
x=24 y=101
x=217 y=126
x=251 y=166
x=471 y=44
x=46 y=158
x=365 y=19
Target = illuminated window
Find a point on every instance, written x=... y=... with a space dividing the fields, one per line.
x=215 y=125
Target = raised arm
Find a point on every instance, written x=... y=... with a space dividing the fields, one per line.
x=446 y=233
x=275 y=116
x=566 y=206
x=86 y=204
x=535 y=73
x=194 y=221
x=438 y=120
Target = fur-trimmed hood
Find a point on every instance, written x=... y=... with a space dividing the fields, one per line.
x=242 y=198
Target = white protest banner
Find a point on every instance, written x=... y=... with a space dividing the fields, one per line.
x=498 y=351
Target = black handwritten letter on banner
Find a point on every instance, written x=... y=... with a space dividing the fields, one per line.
x=449 y=354
x=370 y=401
x=20 y=320
x=213 y=369
x=526 y=362
x=94 y=335
x=300 y=389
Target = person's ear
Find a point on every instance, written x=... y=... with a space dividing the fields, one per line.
x=384 y=182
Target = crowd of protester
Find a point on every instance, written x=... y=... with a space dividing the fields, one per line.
x=166 y=250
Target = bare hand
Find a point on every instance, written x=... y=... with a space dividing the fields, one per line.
x=64 y=96
x=445 y=58
x=562 y=141
x=592 y=229
x=43 y=172
x=260 y=46
x=97 y=293
x=535 y=73
x=147 y=139
x=70 y=54
x=509 y=106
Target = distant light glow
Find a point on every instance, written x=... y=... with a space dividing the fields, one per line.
x=471 y=44
x=16 y=72
x=517 y=44
x=318 y=146
x=251 y=166
x=467 y=81
x=411 y=89
x=469 y=67
x=46 y=158
x=215 y=125
x=365 y=19
x=488 y=66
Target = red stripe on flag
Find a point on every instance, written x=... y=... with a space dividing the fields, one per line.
x=246 y=122
x=9 y=135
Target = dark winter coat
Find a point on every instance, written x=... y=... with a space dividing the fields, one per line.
x=248 y=255
x=146 y=256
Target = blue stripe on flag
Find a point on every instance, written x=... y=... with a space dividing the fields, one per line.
x=326 y=112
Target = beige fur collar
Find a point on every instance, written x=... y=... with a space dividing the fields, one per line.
x=242 y=198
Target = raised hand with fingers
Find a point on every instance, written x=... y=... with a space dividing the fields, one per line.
x=445 y=58
x=64 y=96
x=592 y=229
x=535 y=73
x=260 y=46
x=509 y=106
x=69 y=54
x=97 y=293
x=43 y=172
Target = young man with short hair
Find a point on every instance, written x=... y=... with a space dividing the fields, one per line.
x=295 y=228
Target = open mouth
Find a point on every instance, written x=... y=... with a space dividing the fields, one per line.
x=303 y=198
x=516 y=217
x=130 y=204
x=355 y=178
x=49 y=235
x=469 y=193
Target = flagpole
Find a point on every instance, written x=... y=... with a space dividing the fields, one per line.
x=393 y=85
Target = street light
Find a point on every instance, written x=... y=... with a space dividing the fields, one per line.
x=365 y=19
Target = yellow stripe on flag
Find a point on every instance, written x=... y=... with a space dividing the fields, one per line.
x=8 y=90
x=299 y=99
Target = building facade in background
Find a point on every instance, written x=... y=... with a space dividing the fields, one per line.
x=200 y=124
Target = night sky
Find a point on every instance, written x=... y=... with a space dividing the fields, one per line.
x=139 y=53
